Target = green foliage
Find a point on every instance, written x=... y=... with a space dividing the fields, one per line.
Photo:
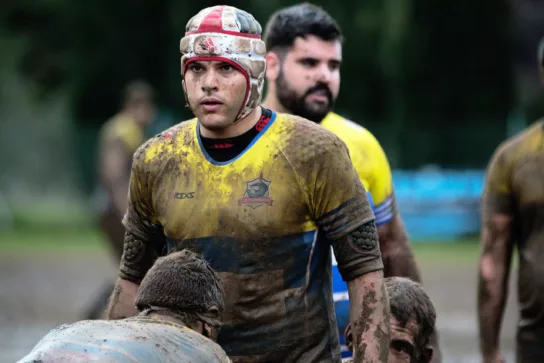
x=415 y=72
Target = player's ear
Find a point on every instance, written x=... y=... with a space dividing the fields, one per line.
x=273 y=65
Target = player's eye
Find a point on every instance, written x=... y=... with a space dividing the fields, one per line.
x=402 y=349
x=195 y=67
x=309 y=62
x=226 y=67
x=334 y=66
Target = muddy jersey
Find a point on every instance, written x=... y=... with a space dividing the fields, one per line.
x=265 y=221
x=134 y=340
x=515 y=186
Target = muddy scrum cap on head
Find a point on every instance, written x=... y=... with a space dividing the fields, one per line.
x=225 y=33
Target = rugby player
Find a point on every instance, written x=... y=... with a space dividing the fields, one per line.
x=304 y=45
x=262 y=196
x=119 y=138
x=413 y=318
x=180 y=301
x=513 y=216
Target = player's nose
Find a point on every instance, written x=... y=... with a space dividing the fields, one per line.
x=210 y=81
x=324 y=73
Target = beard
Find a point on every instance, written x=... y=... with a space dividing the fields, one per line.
x=298 y=106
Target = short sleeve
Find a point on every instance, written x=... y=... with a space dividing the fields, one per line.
x=144 y=237
x=497 y=195
x=338 y=199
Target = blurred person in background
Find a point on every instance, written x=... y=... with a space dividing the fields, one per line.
x=262 y=196
x=513 y=216
x=119 y=138
x=180 y=302
x=413 y=319
x=304 y=45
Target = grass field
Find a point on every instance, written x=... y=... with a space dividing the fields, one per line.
x=48 y=276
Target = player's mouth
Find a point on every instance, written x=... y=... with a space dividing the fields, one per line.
x=210 y=104
x=321 y=96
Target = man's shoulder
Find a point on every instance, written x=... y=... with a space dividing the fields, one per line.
x=307 y=137
x=193 y=344
x=518 y=145
x=349 y=131
x=166 y=142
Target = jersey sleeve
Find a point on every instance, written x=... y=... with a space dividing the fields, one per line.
x=144 y=237
x=381 y=184
x=339 y=202
x=342 y=210
x=497 y=195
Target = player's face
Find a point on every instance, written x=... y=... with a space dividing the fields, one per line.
x=215 y=91
x=144 y=112
x=309 y=80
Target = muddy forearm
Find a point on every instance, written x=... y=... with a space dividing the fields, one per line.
x=369 y=312
x=121 y=304
x=493 y=281
x=398 y=258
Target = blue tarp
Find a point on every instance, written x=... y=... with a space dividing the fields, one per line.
x=439 y=205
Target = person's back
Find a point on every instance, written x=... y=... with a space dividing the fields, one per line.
x=180 y=302
x=140 y=339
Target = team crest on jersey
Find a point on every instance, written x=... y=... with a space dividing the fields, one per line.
x=257 y=193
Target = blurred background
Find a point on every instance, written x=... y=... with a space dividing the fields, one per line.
x=440 y=84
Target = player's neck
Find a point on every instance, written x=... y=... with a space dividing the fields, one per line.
x=236 y=129
x=274 y=104
x=161 y=315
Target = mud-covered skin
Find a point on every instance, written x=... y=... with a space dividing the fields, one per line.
x=364 y=324
x=272 y=251
x=515 y=188
x=139 y=339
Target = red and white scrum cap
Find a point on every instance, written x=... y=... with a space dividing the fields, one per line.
x=230 y=35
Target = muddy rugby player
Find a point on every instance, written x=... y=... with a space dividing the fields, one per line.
x=413 y=319
x=263 y=196
x=513 y=216
x=118 y=140
x=180 y=301
x=304 y=45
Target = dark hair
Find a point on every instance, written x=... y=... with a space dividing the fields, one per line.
x=289 y=23
x=409 y=301
x=183 y=282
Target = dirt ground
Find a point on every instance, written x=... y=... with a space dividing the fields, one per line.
x=39 y=292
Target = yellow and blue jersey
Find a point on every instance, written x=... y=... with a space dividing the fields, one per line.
x=373 y=169
x=135 y=340
x=265 y=221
